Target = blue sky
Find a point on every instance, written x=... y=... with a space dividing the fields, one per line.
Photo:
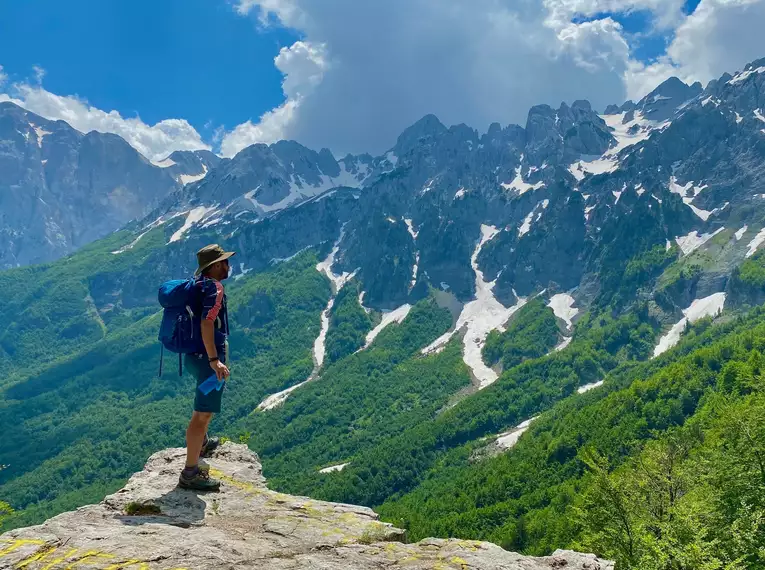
x=350 y=75
x=195 y=59
x=647 y=43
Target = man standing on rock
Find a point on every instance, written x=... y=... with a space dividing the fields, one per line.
x=213 y=269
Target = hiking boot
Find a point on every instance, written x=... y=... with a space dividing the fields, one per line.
x=210 y=445
x=203 y=466
x=198 y=481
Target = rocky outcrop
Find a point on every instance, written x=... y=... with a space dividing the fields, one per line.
x=151 y=524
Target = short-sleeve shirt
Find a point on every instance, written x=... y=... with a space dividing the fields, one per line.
x=214 y=308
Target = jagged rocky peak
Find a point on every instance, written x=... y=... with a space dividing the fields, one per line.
x=626 y=107
x=151 y=524
x=267 y=178
x=743 y=92
x=420 y=133
x=188 y=166
x=563 y=135
x=661 y=103
x=191 y=160
x=357 y=165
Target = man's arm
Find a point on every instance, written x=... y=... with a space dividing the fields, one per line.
x=211 y=305
x=208 y=337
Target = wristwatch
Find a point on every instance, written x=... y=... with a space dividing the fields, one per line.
x=213 y=359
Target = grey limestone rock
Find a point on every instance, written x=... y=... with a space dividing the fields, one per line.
x=151 y=524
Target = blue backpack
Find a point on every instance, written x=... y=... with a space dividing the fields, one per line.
x=179 y=331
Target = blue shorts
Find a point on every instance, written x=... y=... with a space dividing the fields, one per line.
x=199 y=367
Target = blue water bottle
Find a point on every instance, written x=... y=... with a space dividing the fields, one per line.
x=212 y=383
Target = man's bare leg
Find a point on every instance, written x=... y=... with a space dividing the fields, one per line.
x=195 y=436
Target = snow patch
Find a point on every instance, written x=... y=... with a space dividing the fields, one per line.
x=563 y=344
x=189 y=178
x=744 y=75
x=587 y=387
x=395 y=316
x=509 y=439
x=214 y=222
x=740 y=233
x=276 y=400
x=700 y=308
x=242 y=272
x=759 y=115
x=167 y=163
x=519 y=185
x=756 y=243
x=577 y=170
x=479 y=317
x=460 y=194
x=41 y=134
x=193 y=217
x=319 y=345
x=690 y=243
x=688 y=193
x=350 y=179
x=334 y=468
x=367 y=310
x=410 y=227
x=276 y=260
x=641 y=129
x=428 y=187
x=301 y=191
x=562 y=305
x=158 y=222
x=526 y=225
x=338 y=281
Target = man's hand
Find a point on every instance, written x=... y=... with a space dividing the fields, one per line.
x=220 y=369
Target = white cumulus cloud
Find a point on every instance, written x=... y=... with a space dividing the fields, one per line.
x=666 y=13
x=720 y=36
x=483 y=61
x=155 y=142
x=303 y=65
x=364 y=71
x=474 y=62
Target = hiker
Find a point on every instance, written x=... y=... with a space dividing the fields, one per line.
x=213 y=328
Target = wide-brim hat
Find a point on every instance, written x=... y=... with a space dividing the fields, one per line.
x=211 y=254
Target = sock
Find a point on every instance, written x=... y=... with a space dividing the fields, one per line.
x=190 y=471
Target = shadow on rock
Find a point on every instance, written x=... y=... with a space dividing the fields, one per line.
x=179 y=507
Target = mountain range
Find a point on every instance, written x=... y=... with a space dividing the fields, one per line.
x=421 y=331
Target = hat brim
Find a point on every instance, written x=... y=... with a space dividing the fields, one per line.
x=223 y=257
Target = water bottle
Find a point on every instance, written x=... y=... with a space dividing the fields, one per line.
x=212 y=383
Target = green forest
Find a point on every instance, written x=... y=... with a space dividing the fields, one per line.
x=659 y=468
